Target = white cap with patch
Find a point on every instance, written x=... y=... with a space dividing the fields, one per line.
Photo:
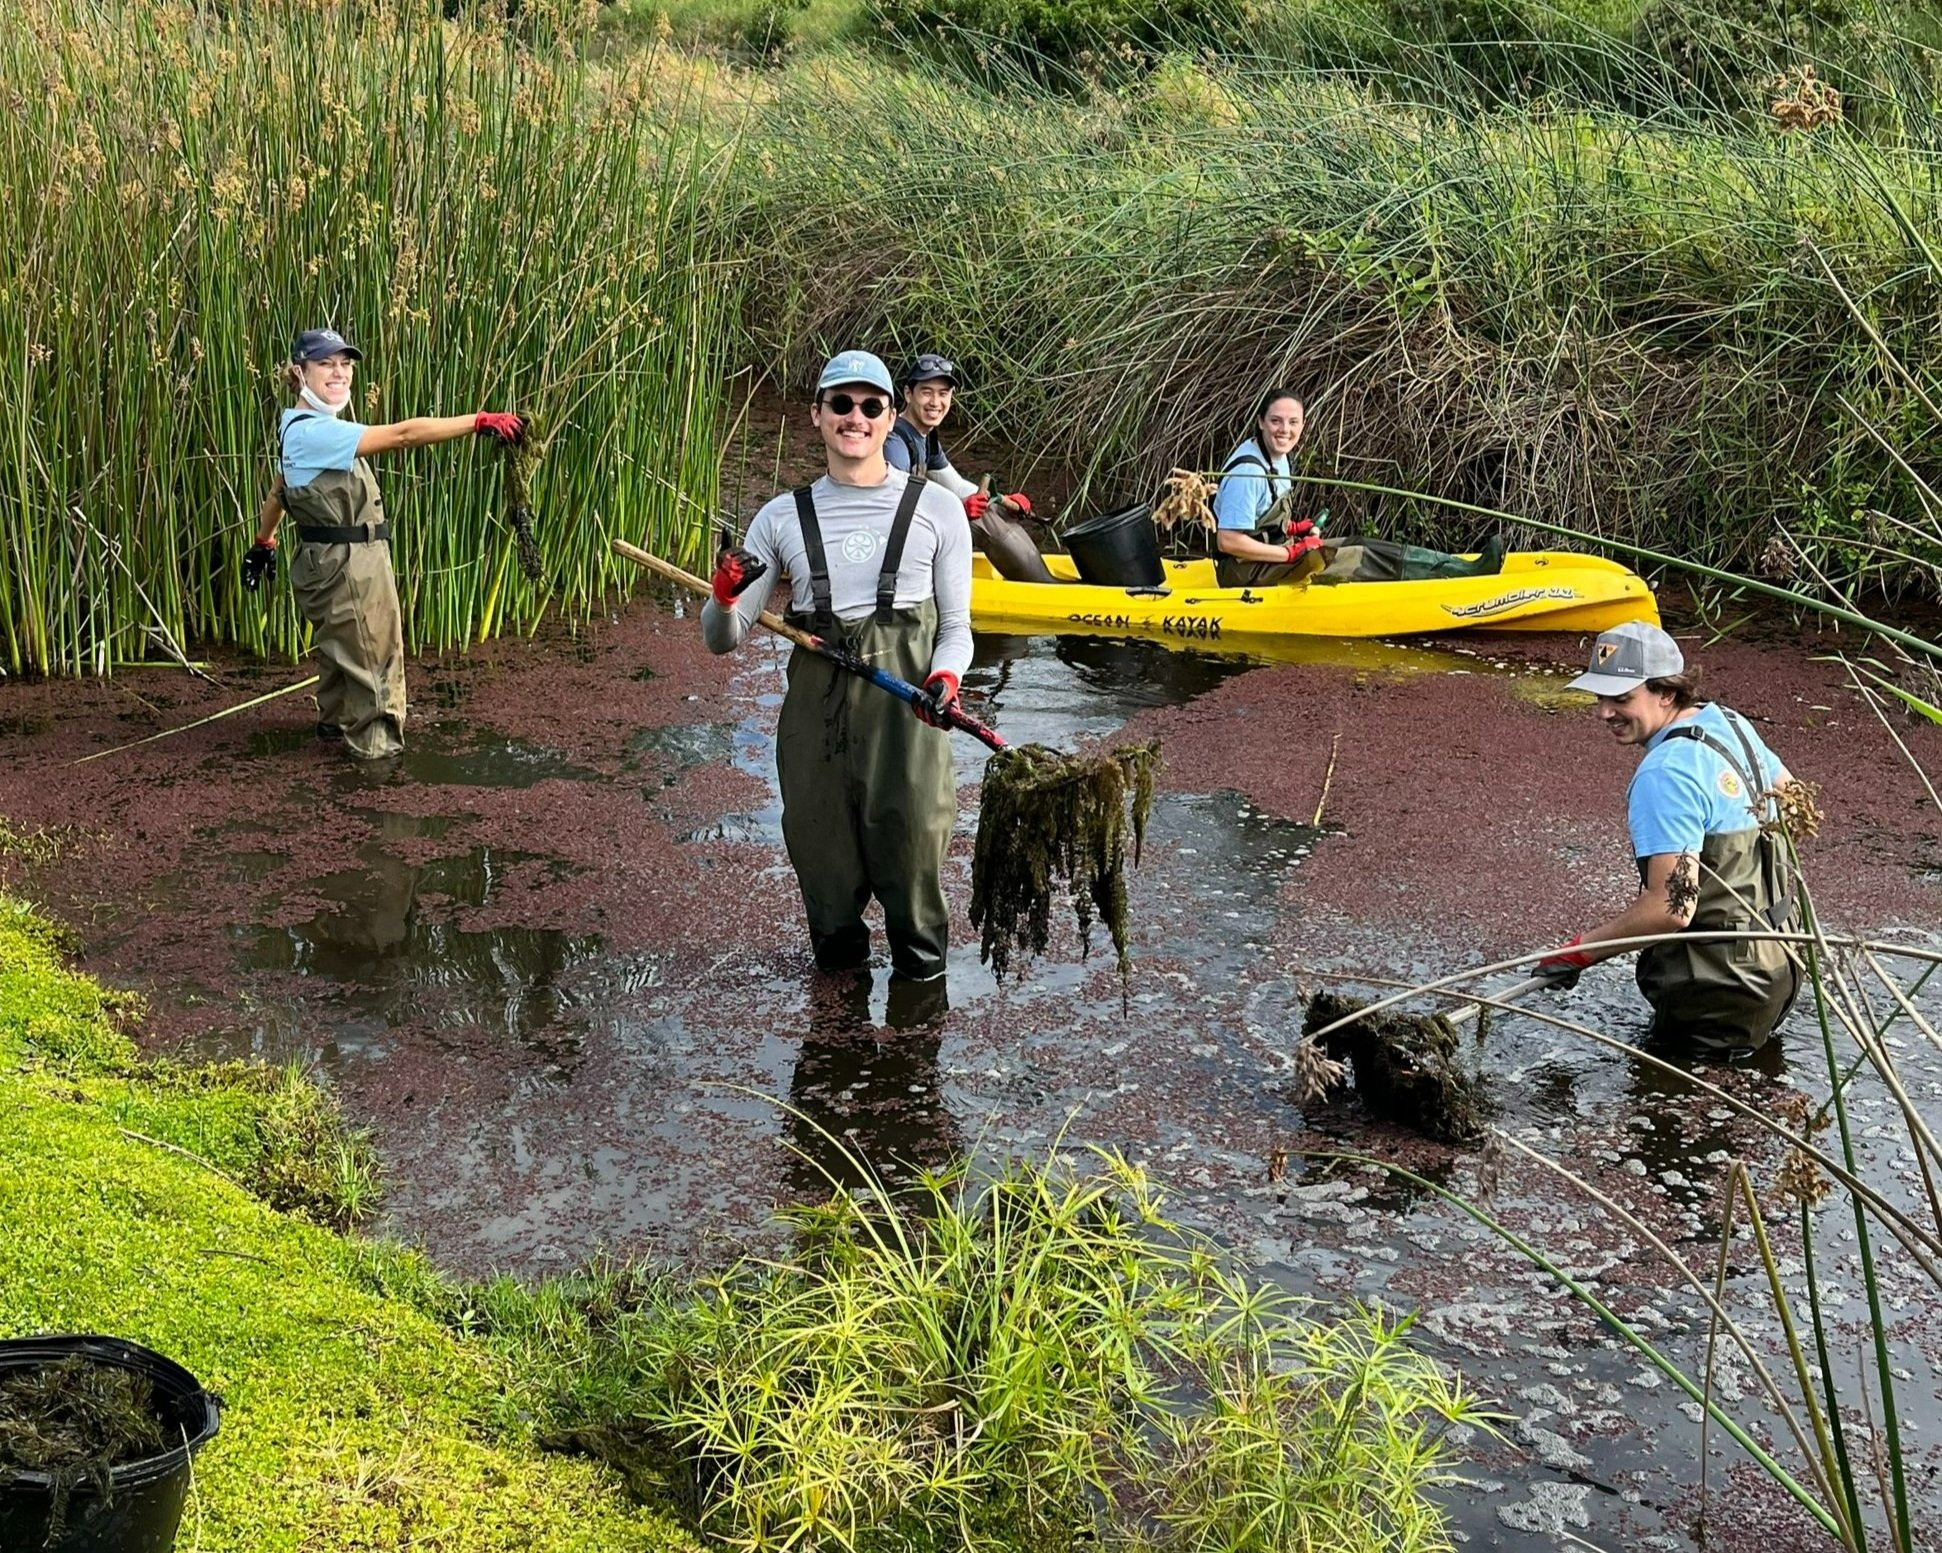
x=1625 y=657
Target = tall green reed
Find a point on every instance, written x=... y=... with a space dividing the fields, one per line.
x=1614 y=323
x=182 y=189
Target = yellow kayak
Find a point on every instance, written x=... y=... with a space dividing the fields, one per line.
x=1536 y=591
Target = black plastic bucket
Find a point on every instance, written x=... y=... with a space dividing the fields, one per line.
x=143 y=1506
x=1118 y=550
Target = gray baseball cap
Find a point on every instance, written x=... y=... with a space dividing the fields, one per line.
x=855 y=367
x=1625 y=657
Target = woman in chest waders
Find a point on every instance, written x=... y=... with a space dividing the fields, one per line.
x=1258 y=540
x=341 y=573
x=882 y=563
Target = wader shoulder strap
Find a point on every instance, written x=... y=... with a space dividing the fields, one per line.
x=1267 y=533
x=1250 y=460
x=283 y=433
x=916 y=447
x=812 y=544
x=1778 y=883
x=893 y=557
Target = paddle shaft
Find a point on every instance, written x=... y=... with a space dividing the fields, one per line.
x=950 y=715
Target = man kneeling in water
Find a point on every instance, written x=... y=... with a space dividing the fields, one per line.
x=1703 y=810
x=1259 y=541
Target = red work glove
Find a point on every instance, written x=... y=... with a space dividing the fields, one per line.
x=1302 y=547
x=942 y=688
x=735 y=569
x=1301 y=528
x=1564 y=968
x=1020 y=502
x=502 y=424
x=975 y=504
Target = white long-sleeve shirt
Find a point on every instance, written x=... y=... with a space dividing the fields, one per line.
x=855 y=521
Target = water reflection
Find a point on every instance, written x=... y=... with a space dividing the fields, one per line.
x=386 y=942
x=867 y=1102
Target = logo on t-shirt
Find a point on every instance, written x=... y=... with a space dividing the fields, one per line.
x=860 y=546
x=1728 y=784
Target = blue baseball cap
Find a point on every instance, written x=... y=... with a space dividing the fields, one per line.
x=316 y=344
x=855 y=367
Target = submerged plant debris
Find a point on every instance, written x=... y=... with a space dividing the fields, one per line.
x=1408 y=1068
x=1049 y=819
x=521 y=459
x=75 y=1419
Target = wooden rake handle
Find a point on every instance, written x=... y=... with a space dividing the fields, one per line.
x=694 y=584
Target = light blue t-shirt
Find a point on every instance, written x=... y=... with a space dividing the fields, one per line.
x=1246 y=494
x=1685 y=790
x=312 y=443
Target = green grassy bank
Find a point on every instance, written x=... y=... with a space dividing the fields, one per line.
x=1016 y=1362
x=352 y=1419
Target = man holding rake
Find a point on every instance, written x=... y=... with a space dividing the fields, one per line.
x=879 y=563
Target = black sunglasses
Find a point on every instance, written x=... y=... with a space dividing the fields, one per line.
x=842 y=404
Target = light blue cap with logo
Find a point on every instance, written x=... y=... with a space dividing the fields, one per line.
x=855 y=367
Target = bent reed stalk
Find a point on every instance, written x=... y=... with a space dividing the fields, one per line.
x=181 y=189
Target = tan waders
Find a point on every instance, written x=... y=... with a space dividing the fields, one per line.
x=869 y=794
x=344 y=584
x=1727 y=995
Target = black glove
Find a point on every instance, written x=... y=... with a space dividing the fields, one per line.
x=259 y=561
x=1564 y=968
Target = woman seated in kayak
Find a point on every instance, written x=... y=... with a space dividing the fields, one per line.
x=1258 y=539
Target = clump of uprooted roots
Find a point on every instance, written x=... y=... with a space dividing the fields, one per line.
x=1048 y=820
x=75 y=1420
x=1184 y=502
x=1408 y=1068
x=521 y=459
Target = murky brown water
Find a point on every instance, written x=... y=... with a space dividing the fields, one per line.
x=555 y=959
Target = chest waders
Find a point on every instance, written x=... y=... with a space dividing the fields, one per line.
x=869 y=794
x=917 y=444
x=1355 y=558
x=1728 y=995
x=343 y=582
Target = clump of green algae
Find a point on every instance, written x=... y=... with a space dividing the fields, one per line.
x=522 y=457
x=1408 y=1068
x=1048 y=819
x=76 y=1420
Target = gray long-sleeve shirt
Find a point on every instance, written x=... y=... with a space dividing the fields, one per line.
x=855 y=521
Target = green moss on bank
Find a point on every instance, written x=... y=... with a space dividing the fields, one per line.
x=353 y=1420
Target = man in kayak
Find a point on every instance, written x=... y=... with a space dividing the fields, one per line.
x=1702 y=810
x=1259 y=541
x=930 y=385
x=881 y=563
